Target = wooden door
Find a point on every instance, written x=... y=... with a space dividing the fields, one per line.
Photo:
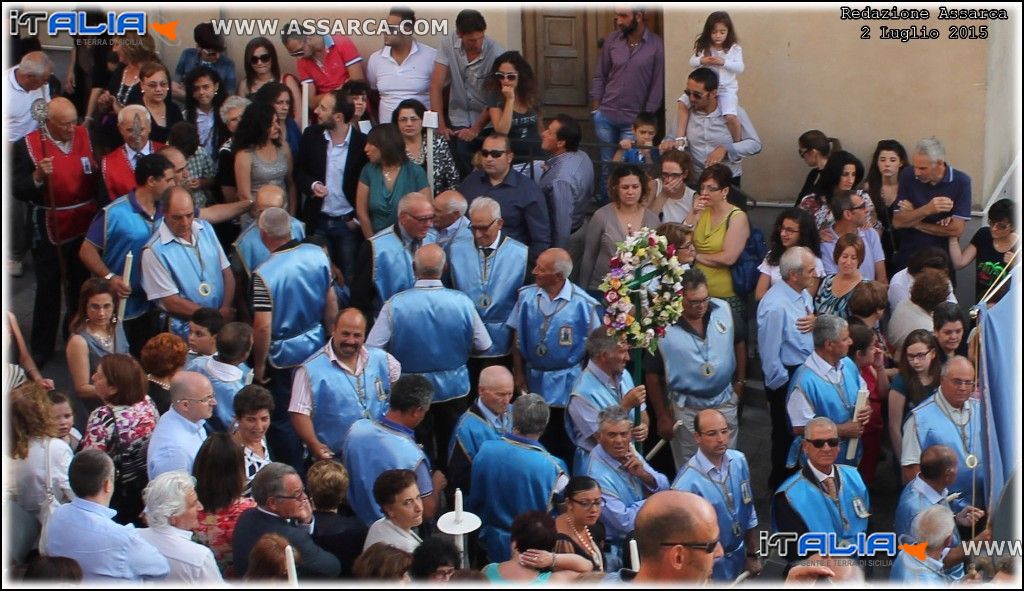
x=561 y=45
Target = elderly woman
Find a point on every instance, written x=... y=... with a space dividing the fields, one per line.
x=220 y=477
x=231 y=113
x=533 y=558
x=163 y=356
x=32 y=438
x=343 y=535
x=399 y=499
x=172 y=508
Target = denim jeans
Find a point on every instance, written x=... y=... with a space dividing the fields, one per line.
x=342 y=243
x=611 y=134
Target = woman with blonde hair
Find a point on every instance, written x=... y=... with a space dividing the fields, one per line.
x=39 y=460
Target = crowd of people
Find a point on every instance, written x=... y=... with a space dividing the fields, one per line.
x=319 y=338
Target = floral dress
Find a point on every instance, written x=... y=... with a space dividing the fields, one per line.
x=216 y=531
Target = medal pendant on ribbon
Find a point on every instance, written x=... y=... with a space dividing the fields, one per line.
x=204 y=289
x=485 y=301
x=971 y=461
x=707 y=369
x=735 y=528
x=541 y=350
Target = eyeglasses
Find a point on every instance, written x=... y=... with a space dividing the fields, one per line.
x=301 y=495
x=672 y=175
x=155 y=84
x=695 y=95
x=832 y=442
x=918 y=356
x=726 y=431
x=410 y=119
x=856 y=207
x=262 y=58
x=1001 y=226
x=802 y=152
x=422 y=218
x=962 y=383
x=696 y=303
x=705 y=189
x=510 y=76
x=708 y=547
x=492 y=153
x=205 y=400
x=589 y=504
x=785 y=230
x=483 y=228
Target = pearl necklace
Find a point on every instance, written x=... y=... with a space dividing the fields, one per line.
x=587 y=542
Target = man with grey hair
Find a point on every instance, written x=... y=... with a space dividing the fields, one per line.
x=513 y=475
x=604 y=383
x=827 y=385
x=785 y=318
x=294 y=307
x=625 y=477
x=550 y=323
x=933 y=202
x=450 y=220
x=432 y=331
x=180 y=431
x=172 y=513
x=134 y=124
x=249 y=251
x=935 y=527
x=384 y=267
x=283 y=508
x=489 y=418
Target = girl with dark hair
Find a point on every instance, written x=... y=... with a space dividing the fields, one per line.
x=261 y=67
x=918 y=378
x=203 y=98
x=882 y=185
x=95 y=333
x=994 y=246
x=512 y=104
x=842 y=172
x=814 y=147
x=386 y=178
x=261 y=157
x=220 y=476
x=578 y=528
x=793 y=227
x=408 y=116
x=716 y=48
x=280 y=97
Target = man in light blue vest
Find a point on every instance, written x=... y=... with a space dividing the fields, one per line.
x=950 y=417
x=827 y=385
x=626 y=479
x=823 y=497
x=722 y=476
x=373 y=447
x=694 y=368
x=450 y=220
x=340 y=384
x=227 y=371
x=384 y=267
x=183 y=265
x=248 y=250
x=603 y=383
x=294 y=306
x=487 y=419
x=432 y=331
x=550 y=323
x=934 y=526
x=513 y=475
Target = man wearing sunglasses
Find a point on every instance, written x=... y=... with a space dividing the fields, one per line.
x=851 y=215
x=210 y=51
x=824 y=497
x=328 y=60
x=181 y=431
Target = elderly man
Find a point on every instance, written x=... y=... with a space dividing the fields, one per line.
x=134 y=125
x=568 y=179
x=84 y=530
x=403 y=67
x=785 y=318
x=625 y=477
x=936 y=527
x=694 y=368
x=282 y=507
x=513 y=475
x=180 y=432
x=385 y=262
x=373 y=447
x=227 y=371
x=522 y=203
x=487 y=419
x=550 y=323
x=183 y=265
x=602 y=384
x=827 y=385
x=340 y=384
x=54 y=169
x=823 y=497
x=933 y=202
x=950 y=417
x=722 y=477
x=249 y=249
x=850 y=212
x=450 y=220
x=172 y=513
x=432 y=331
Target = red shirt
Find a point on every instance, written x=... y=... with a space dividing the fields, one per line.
x=337 y=59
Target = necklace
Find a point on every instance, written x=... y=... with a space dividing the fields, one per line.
x=389 y=176
x=104 y=338
x=587 y=542
x=164 y=385
x=542 y=347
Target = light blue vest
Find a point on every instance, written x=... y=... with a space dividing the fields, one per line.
x=830 y=401
x=224 y=413
x=190 y=269
x=493 y=285
x=339 y=399
x=125 y=231
x=297 y=280
x=935 y=428
x=553 y=374
x=370 y=449
x=471 y=432
x=733 y=513
x=846 y=519
x=250 y=250
x=432 y=335
x=392 y=262
x=630 y=491
x=593 y=391
x=911 y=504
x=683 y=354
x=511 y=475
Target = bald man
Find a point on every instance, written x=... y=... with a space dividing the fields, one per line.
x=450 y=221
x=134 y=124
x=488 y=418
x=56 y=171
x=432 y=331
x=180 y=432
x=249 y=251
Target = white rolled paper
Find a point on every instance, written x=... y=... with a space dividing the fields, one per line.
x=634 y=555
x=862 y=399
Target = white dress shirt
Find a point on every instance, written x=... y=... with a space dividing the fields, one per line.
x=191 y=563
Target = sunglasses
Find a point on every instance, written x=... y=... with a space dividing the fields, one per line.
x=708 y=547
x=263 y=58
x=492 y=153
x=511 y=76
x=672 y=175
x=832 y=442
x=694 y=94
x=861 y=206
x=483 y=228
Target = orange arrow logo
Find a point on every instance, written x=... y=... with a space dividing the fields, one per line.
x=168 y=30
x=918 y=551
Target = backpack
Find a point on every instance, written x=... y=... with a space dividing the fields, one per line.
x=744 y=270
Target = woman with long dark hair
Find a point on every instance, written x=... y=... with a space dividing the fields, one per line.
x=814 y=147
x=386 y=178
x=882 y=185
x=261 y=157
x=512 y=103
x=203 y=98
x=280 y=97
x=262 y=66
x=793 y=227
x=918 y=378
x=219 y=471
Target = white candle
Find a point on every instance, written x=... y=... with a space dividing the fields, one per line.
x=289 y=559
x=634 y=555
x=458 y=505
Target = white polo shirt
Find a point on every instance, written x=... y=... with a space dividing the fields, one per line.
x=410 y=80
x=19 y=106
